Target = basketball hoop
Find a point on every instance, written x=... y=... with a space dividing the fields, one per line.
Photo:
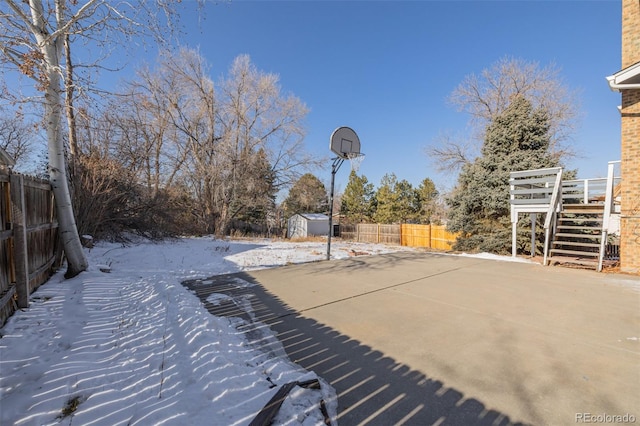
x=355 y=159
x=345 y=144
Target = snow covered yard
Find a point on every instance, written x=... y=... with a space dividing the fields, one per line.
x=133 y=346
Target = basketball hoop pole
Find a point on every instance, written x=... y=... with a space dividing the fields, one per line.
x=337 y=162
x=344 y=143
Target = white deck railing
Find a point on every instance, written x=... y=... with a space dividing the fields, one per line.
x=538 y=191
x=533 y=192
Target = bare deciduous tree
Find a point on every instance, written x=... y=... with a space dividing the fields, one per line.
x=487 y=95
x=43 y=31
x=16 y=136
x=233 y=144
x=451 y=153
x=254 y=116
x=36 y=40
x=112 y=195
x=218 y=134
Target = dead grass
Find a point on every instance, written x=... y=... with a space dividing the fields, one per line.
x=311 y=239
x=71 y=406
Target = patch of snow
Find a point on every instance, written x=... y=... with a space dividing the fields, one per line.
x=491 y=256
x=217 y=298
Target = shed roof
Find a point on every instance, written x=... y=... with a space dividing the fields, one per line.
x=314 y=216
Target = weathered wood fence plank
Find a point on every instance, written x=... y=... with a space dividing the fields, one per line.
x=7 y=274
x=29 y=249
x=19 y=226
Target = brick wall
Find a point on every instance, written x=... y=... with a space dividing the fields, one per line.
x=630 y=167
x=630 y=32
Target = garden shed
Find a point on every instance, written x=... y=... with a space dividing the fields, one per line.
x=308 y=224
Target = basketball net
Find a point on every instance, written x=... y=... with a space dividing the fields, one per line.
x=355 y=159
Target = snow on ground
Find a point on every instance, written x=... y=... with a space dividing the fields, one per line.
x=491 y=256
x=134 y=347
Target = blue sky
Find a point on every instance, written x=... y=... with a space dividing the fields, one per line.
x=386 y=68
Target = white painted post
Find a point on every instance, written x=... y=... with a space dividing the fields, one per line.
x=533 y=234
x=514 y=222
x=586 y=191
x=546 y=244
x=514 y=236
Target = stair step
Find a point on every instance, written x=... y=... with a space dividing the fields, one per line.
x=582 y=206
x=571 y=235
x=573 y=260
x=581 y=215
x=580 y=219
x=583 y=209
x=573 y=252
x=576 y=244
x=580 y=228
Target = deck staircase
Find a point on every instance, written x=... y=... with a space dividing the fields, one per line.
x=578 y=235
x=578 y=213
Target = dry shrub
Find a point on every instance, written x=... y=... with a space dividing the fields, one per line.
x=109 y=203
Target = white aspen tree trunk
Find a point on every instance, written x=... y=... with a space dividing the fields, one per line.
x=51 y=48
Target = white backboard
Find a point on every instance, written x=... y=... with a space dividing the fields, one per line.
x=344 y=141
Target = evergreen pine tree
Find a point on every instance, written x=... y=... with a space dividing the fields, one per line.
x=358 y=201
x=386 y=200
x=396 y=201
x=308 y=195
x=408 y=206
x=518 y=139
x=426 y=196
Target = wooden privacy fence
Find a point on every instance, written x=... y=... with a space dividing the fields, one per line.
x=427 y=236
x=28 y=239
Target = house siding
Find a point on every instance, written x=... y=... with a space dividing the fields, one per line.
x=630 y=144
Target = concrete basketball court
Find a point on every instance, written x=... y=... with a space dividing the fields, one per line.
x=418 y=338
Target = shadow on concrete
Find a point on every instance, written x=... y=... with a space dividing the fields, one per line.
x=352 y=265
x=372 y=388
